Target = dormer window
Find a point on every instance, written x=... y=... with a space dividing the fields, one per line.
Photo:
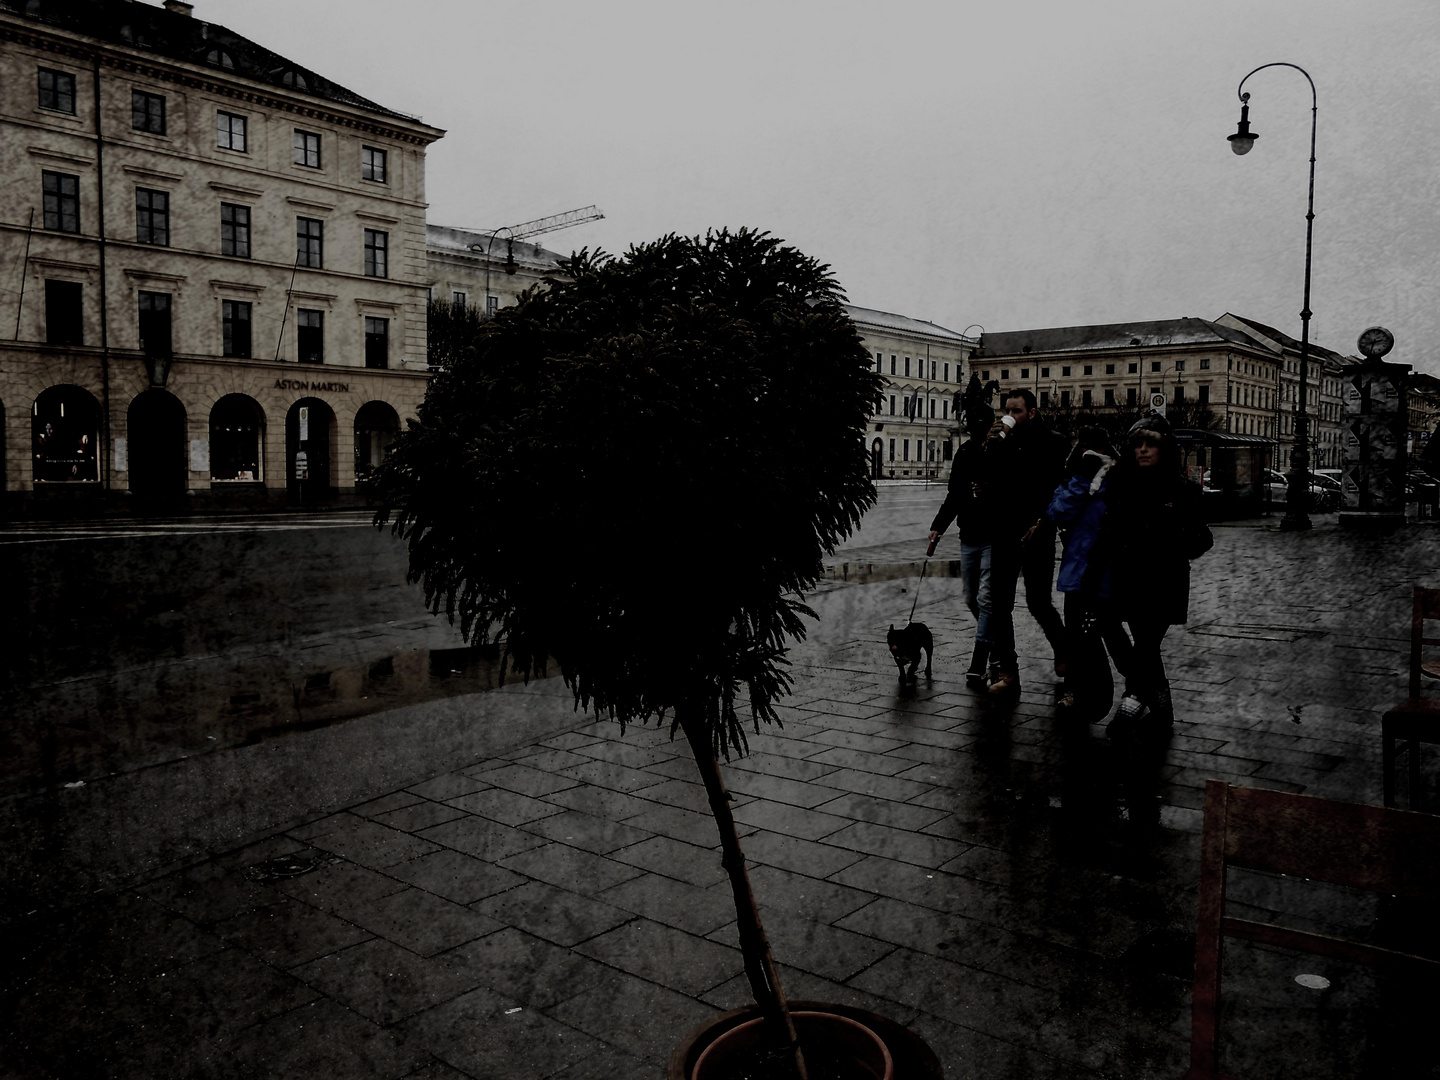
x=295 y=79
x=220 y=58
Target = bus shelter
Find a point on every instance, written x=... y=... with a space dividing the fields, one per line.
x=1230 y=470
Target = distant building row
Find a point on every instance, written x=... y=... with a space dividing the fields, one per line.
x=1232 y=375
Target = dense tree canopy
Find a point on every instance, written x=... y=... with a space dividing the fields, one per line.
x=637 y=470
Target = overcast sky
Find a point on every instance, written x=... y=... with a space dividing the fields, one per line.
x=1016 y=165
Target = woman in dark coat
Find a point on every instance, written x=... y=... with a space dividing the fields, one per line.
x=1153 y=526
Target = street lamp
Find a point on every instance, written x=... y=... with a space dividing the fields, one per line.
x=510 y=265
x=1298 y=482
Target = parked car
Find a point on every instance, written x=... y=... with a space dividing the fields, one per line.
x=1324 y=498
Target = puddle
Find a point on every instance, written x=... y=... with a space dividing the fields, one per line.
x=118 y=722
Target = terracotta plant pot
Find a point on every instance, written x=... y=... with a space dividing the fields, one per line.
x=853 y=1038
x=911 y=1058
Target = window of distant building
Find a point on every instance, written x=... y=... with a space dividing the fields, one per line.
x=154 y=320
x=311 y=336
x=57 y=91
x=1005 y=374
x=458 y=299
x=377 y=342
x=235 y=326
x=492 y=305
x=296 y=80
x=372 y=164
x=1204 y=363
x=907 y=367
x=147 y=112
x=307 y=149
x=310 y=242
x=1086 y=398
x=1204 y=398
x=376 y=253
x=220 y=58
x=64 y=316
x=1133 y=369
x=235 y=230
x=1024 y=373
x=947 y=372
x=1064 y=399
x=230 y=131
x=892 y=363
x=1109 y=397
x=1179 y=365
x=61 y=197
x=1109 y=369
x=1044 y=373
x=1089 y=369
x=1130 y=396
x=152 y=217
x=1065 y=370
x=1154 y=365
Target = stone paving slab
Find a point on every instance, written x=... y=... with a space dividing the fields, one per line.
x=553 y=907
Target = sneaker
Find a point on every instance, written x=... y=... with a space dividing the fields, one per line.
x=976 y=679
x=1127 y=717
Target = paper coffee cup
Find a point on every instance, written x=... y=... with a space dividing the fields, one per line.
x=1008 y=421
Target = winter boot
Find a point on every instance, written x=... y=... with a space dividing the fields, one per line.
x=975 y=677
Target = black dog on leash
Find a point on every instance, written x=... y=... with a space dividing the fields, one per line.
x=905 y=646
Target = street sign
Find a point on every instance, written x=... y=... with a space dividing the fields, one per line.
x=302 y=465
x=1157 y=403
x=304 y=422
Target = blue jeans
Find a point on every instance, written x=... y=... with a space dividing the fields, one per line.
x=975 y=576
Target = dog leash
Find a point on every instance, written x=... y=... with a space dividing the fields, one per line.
x=917 y=590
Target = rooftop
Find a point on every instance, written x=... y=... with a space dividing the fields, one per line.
x=457 y=241
x=888 y=320
x=179 y=36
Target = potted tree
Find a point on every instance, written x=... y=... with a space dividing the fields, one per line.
x=690 y=416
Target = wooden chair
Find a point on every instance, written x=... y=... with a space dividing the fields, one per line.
x=1417 y=718
x=1380 y=850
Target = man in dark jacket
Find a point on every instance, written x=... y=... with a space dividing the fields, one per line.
x=965 y=502
x=1024 y=463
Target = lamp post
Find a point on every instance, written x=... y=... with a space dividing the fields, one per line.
x=510 y=264
x=1298 y=482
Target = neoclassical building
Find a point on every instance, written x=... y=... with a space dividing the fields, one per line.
x=916 y=427
x=1244 y=373
x=215 y=262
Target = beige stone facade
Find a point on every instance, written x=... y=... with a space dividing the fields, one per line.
x=468 y=265
x=221 y=256
x=1238 y=374
x=916 y=427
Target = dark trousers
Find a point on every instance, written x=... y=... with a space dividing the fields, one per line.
x=1142 y=664
x=1010 y=561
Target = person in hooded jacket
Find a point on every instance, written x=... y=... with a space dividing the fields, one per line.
x=1152 y=526
x=1078 y=508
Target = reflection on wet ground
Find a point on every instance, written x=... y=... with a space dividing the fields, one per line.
x=118 y=722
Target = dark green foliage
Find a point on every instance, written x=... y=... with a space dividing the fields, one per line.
x=450 y=329
x=637 y=470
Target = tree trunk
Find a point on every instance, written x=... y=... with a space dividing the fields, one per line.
x=759 y=964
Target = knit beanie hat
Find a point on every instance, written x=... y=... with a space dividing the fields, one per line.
x=1152 y=425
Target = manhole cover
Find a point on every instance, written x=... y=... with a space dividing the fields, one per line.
x=286 y=866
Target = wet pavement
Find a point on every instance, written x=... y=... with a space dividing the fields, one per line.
x=492 y=884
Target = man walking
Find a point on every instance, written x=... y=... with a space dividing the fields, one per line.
x=964 y=503
x=1024 y=463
